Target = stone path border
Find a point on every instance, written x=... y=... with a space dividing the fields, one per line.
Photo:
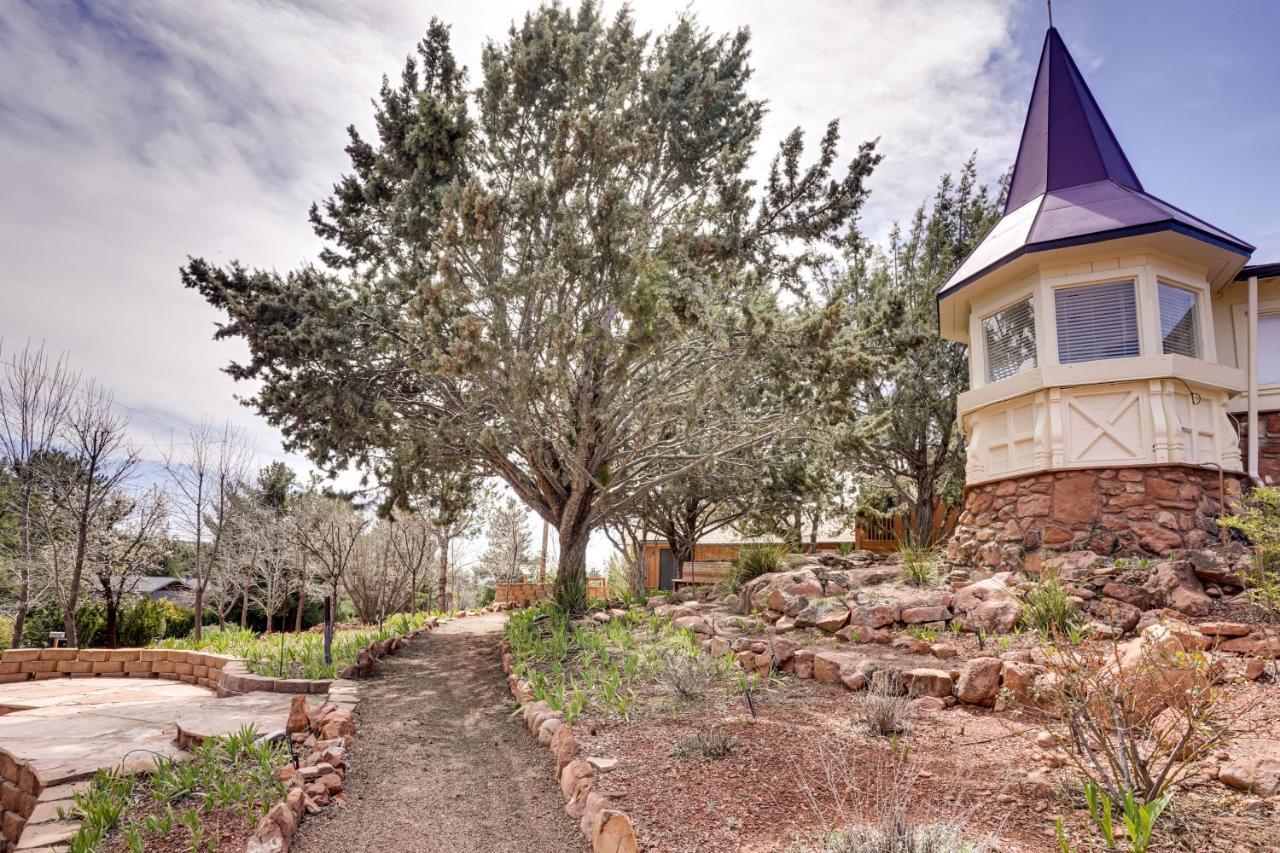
x=587 y=797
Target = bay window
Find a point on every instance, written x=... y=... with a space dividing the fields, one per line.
x=1010 y=338
x=1097 y=321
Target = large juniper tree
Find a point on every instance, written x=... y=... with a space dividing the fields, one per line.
x=547 y=275
x=902 y=437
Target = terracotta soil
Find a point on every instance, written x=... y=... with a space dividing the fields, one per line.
x=772 y=792
x=438 y=765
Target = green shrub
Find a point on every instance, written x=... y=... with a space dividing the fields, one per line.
x=6 y=632
x=91 y=623
x=754 y=561
x=1260 y=523
x=141 y=622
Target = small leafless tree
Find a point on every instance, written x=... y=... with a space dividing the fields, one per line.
x=413 y=546
x=99 y=464
x=376 y=582
x=329 y=530
x=36 y=393
x=126 y=548
x=230 y=471
x=276 y=568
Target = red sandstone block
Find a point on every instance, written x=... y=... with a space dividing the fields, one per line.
x=183 y=668
x=124 y=654
x=108 y=667
x=200 y=671
x=10 y=667
x=10 y=655
x=292 y=685
x=12 y=824
x=162 y=666
x=40 y=666
x=80 y=674
x=14 y=677
x=75 y=666
x=151 y=654
x=189 y=679
x=58 y=654
x=10 y=793
x=94 y=654
x=28 y=782
x=137 y=667
x=41 y=676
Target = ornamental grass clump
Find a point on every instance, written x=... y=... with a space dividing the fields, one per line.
x=1049 y=609
x=754 y=561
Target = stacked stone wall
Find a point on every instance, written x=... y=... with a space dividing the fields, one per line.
x=1268 y=445
x=1151 y=510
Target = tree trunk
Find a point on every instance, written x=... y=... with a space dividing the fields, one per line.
x=201 y=580
x=443 y=543
x=570 y=591
x=199 y=605
x=269 y=621
x=24 y=570
x=297 y=618
x=924 y=518
x=222 y=621
x=77 y=571
x=244 y=610
x=113 y=620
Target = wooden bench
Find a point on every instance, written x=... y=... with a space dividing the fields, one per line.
x=703 y=572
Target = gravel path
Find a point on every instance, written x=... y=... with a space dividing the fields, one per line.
x=438 y=766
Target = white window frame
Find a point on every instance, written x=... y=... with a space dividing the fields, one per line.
x=1240 y=324
x=1030 y=300
x=1197 y=312
x=978 y=315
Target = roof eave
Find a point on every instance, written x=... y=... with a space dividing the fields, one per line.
x=1242 y=249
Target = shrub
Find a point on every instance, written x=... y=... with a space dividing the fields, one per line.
x=754 y=561
x=886 y=710
x=1260 y=523
x=91 y=620
x=141 y=623
x=1048 y=609
x=708 y=744
x=896 y=837
x=685 y=674
x=1135 y=720
x=6 y=632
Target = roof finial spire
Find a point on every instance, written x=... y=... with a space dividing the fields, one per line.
x=1049 y=3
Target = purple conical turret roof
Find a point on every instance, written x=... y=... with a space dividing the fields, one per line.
x=1072 y=183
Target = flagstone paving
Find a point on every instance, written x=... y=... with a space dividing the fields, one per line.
x=66 y=729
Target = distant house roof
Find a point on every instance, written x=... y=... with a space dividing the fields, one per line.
x=1072 y=183
x=149 y=584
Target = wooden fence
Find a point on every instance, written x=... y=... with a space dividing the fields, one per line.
x=524 y=594
x=882 y=535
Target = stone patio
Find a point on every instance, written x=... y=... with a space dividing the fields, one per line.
x=65 y=730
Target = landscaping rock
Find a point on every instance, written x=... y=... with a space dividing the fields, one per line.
x=828 y=666
x=874 y=615
x=1117 y=613
x=927 y=682
x=1224 y=629
x=1253 y=774
x=1175 y=585
x=299 y=715
x=920 y=615
x=1132 y=595
x=613 y=833
x=979 y=681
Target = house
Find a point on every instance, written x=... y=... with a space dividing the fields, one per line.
x=180 y=591
x=1119 y=347
x=718 y=547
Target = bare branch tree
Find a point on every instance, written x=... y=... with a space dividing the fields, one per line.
x=329 y=529
x=99 y=463
x=413 y=546
x=125 y=547
x=36 y=394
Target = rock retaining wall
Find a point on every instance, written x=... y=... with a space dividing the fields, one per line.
x=1268 y=445
x=1110 y=511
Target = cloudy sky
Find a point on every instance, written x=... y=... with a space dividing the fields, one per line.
x=133 y=134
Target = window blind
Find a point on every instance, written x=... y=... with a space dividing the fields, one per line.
x=1096 y=321
x=1011 y=341
x=1178 y=321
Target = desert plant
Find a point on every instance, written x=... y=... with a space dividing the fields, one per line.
x=868 y=803
x=685 y=674
x=886 y=710
x=754 y=561
x=844 y=549
x=923 y=632
x=918 y=561
x=1136 y=718
x=1048 y=609
x=712 y=743
x=1260 y=523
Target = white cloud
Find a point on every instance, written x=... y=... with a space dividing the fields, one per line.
x=155 y=130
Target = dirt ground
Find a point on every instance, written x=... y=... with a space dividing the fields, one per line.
x=438 y=766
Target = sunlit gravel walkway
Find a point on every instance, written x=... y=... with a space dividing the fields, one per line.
x=438 y=766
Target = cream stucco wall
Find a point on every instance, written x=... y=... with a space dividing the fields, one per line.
x=1148 y=409
x=1230 y=329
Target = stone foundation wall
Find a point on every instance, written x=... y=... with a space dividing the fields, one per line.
x=1268 y=445
x=1151 y=510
